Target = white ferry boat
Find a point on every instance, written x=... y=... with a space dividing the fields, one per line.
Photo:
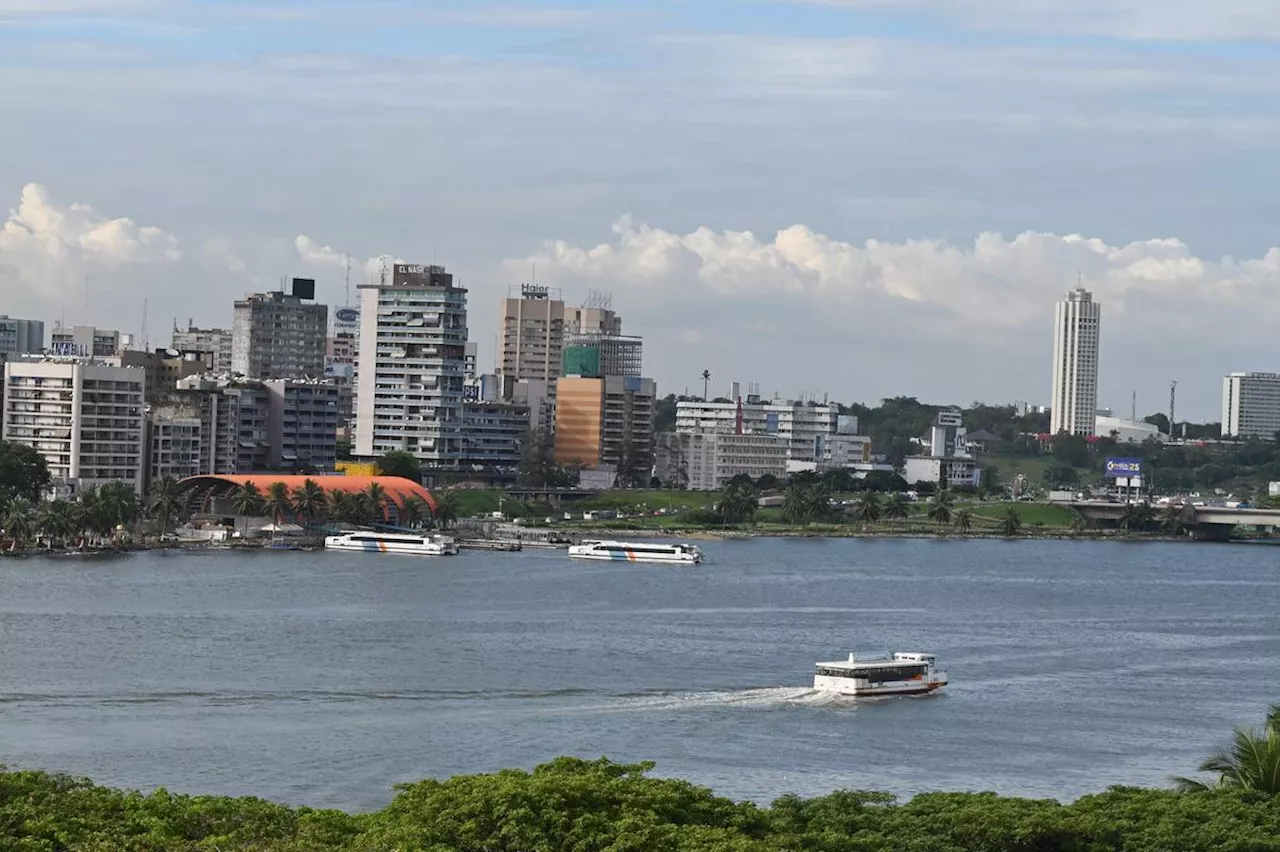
x=423 y=544
x=680 y=554
x=900 y=674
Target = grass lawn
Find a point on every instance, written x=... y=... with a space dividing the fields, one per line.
x=1032 y=514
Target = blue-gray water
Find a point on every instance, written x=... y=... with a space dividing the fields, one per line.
x=324 y=678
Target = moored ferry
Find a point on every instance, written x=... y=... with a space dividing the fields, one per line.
x=680 y=554
x=423 y=544
x=900 y=674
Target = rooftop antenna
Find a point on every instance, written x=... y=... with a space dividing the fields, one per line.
x=347 y=303
x=146 y=344
x=1133 y=414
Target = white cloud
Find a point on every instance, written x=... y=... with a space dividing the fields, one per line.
x=1173 y=20
x=987 y=304
x=50 y=249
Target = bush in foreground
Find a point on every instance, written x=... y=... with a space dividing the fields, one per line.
x=584 y=806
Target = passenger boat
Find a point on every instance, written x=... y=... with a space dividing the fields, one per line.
x=680 y=554
x=423 y=544
x=900 y=674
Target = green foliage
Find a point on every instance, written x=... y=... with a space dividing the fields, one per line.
x=278 y=502
x=537 y=467
x=869 y=508
x=1250 y=762
x=399 y=463
x=446 y=514
x=1070 y=450
x=806 y=501
x=738 y=502
x=23 y=473
x=1011 y=523
x=963 y=519
x=309 y=500
x=600 y=806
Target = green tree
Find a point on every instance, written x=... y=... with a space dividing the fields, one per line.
x=165 y=502
x=278 y=502
x=338 y=505
x=18 y=520
x=1172 y=519
x=868 y=508
x=537 y=467
x=23 y=473
x=942 y=507
x=399 y=463
x=1060 y=475
x=896 y=508
x=446 y=514
x=738 y=502
x=1011 y=523
x=377 y=497
x=805 y=502
x=963 y=519
x=309 y=500
x=55 y=520
x=1251 y=761
x=1070 y=450
x=413 y=512
x=247 y=502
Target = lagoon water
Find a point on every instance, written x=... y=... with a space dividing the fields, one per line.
x=324 y=678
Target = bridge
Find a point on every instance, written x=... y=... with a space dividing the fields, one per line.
x=1204 y=523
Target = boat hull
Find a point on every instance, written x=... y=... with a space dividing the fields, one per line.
x=849 y=687
x=627 y=556
x=432 y=549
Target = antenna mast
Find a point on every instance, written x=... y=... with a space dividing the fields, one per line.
x=1173 y=398
x=347 y=303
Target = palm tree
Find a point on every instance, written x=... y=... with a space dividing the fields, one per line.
x=738 y=503
x=447 y=509
x=55 y=521
x=338 y=505
x=247 y=501
x=413 y=512
x=963 y=519
x=120 y=505
x=377 y=500
x=1250 y=762
x=360 y=509
x=277 y=503
x=868 y=509
x=1011 y=523
x=308 y=500
x=17 y=520
x=943 y=506
x=1171 y=519
x=165 y=502
x=896 y=508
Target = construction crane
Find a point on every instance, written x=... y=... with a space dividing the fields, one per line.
x=1173 y=398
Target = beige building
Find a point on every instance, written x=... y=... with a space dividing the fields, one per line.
x=86 y=419
x=606 y=422
x=532 y=328
x=706 y=461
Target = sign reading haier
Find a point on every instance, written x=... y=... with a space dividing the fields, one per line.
x=1124 y=468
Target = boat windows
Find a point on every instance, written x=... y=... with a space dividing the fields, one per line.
x=875 y=675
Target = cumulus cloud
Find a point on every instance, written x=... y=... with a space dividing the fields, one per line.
x=983 y=303
x=50 y=248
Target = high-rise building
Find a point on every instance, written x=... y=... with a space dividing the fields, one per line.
x=86 y=419
x=280 y=336
x=302 y=425
x=1075 y=364
x=163 y=370
x=84 y=341
x=216 y=342
x=1251 y=405
x=606 y=422
x=599 y=354
x=412 y=365
x=804 y=427
x=532 y=328
x=20 y=336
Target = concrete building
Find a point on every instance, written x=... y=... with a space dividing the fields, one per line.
x=536 y=395
x=606 y=422
x=532 y=328
x=1075 y=364
x=215 y=342
x=949 y=462
x=706 y=461
x=597 y=354
x=1250 y=405
x=804 y=426
x=491 y=434
x=163 y=370
x=279 y=336
x=83 y=341
x=86 y=419
x=175 y=447
x=302 y=425
x=20 y=336
x=1126 y=431
x=412 y=365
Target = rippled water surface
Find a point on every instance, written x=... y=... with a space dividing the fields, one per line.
x=324 y=678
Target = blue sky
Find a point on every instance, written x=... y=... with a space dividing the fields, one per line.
x=781 y=192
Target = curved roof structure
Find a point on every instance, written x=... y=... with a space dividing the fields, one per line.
x=220 y=485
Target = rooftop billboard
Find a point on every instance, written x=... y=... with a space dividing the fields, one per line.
x=1124 y=468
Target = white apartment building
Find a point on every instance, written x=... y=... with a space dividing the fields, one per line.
x=216 y=342
x=412 y=365
x=85 y=419
x=1075 y=364
x=1250 y=405
x=803 y=427
x=20 y=336
x=706 y=461
x=84 y=341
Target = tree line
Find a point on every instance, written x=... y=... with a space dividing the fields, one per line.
x=602 y=806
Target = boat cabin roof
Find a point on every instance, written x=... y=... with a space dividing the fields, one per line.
x=896 y=661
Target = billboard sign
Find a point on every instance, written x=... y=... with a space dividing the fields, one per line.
x=771 y=422
x=1124 y=468
x=418 y=275
x=346 y=319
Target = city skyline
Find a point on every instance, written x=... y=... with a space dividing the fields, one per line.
x=832 y=176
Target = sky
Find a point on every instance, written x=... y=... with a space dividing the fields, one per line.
x=849 y=199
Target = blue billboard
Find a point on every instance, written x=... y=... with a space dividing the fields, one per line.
x=771 y=422
x=1124 y=468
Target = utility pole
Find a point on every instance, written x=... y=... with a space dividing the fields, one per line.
x=1173 y=397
